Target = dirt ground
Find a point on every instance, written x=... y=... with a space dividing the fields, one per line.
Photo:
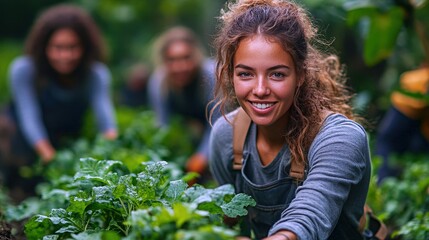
x=6 y=231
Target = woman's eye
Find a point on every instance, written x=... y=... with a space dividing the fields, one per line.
x=244 y=74
x=278 y=75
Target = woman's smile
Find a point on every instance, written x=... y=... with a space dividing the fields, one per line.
x=265 y=80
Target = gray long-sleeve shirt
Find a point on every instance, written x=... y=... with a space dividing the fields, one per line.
x=22 y=78
x=330 y=201
x=159 y=102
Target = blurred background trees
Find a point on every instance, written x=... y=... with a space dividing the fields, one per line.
x=376 y=39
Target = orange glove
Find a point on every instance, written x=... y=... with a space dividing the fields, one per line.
x=196 y=163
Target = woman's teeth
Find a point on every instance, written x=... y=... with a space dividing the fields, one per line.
x=262 y=105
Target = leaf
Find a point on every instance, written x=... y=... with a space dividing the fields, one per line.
x=103 y=195
x=224 y=190
x=416 y=228
x=154 y=168
x=193 y=193
x=384 y=29
x=51 y=237
x=57 y=193
x=68 y=229
x=218 y=194
x=140 y=218
x=149 y=181
x=237 y=206
x=356 y=13
x=210 y=207
x=26 y=209
x=87 y=236
x=384 y=23
x=79 y=202
x=146 y=187
x=120 y=190
x=204 y=198
x=102 y=171
x=164 y=216
x=219 y=200
x=102 y=235
x=126 y=189
x=190 y=176
x=183 y=213
x=175 y=190
x=59 y=216
x=206 y=232
x=110 y=235
x=37 y=227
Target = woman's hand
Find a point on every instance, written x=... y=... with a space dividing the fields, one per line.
x=282 y=235
x=45 y=150
x=242 y=238
x=110 y=134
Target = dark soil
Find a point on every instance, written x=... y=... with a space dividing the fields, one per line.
x=6 y=230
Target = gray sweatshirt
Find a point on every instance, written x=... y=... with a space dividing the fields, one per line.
x=327 y=205
x=22 y=77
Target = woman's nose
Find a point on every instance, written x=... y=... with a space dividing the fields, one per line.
x=261 y=88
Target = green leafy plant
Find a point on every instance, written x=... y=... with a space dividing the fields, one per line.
x=141 y=205
x=417 y=228
x=139 y=196
x=399 y=202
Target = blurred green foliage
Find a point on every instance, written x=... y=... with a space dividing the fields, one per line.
x=393 y=32
x=382 y=23
x=375 y=39
x=9 y=50
x=402 y=202
x=129 y=28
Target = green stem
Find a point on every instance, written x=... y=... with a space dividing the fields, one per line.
x=128 y=211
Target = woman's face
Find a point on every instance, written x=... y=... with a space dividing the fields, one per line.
x=64 y=51
x=264 y=80
x=181 y=64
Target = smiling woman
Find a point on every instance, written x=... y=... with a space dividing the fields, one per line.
x=297 y=103
x=182 y=86
x=64 y=51
x=53 y=85
x=265 y=85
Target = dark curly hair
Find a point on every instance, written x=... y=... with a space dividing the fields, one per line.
x=60 y=17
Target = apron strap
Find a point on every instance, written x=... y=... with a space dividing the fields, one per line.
x=241 y=126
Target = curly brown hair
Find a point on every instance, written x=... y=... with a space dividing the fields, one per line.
x=323 y=87
x=59 y=17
